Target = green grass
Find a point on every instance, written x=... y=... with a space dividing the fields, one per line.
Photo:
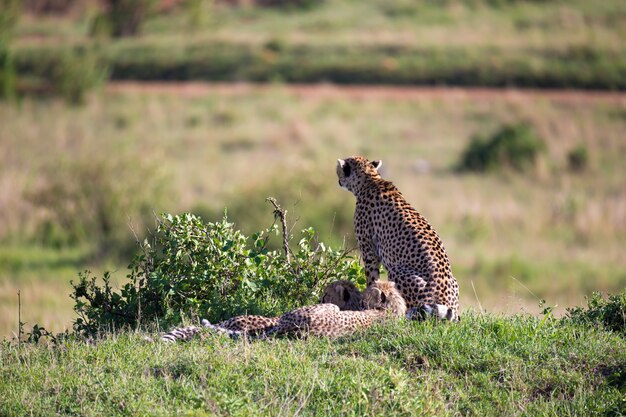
x=486 y=365
x=538 y=44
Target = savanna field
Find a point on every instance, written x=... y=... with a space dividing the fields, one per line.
x=265 y=101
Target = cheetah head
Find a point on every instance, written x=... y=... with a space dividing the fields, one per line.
x=355 y=170
x=343 y=294
x=383 y=295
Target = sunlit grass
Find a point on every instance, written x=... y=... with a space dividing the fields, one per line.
x=484 y=365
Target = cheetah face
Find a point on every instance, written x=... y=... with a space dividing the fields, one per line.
x=383 y=295
x=344 y=294
x=353 y=170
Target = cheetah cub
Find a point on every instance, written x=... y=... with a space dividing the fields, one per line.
x=380 y=301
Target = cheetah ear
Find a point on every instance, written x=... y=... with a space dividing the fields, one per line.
x=377 y=164
x=344 y=166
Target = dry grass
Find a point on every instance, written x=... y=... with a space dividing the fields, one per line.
x=558 y=233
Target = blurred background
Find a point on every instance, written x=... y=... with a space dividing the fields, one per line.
x=502 y=121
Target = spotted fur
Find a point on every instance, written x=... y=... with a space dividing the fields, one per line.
x=392 y=233
x=344 y=294
x=380 y=301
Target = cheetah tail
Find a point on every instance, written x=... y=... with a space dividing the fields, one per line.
x=233 y=334
x=180 y=333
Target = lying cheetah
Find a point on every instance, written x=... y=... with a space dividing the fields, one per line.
x=380 y=301
x=389 y=231
x=344 y=294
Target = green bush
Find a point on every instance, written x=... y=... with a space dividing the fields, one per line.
x=607 y=312
x=578 y=159
x=512 y=146
x=210 y=270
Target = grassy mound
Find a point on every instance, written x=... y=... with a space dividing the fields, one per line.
x=486 y=365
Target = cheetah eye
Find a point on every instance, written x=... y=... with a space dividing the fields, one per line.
x=346 y=170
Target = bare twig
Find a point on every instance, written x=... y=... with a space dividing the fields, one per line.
x=282 y=214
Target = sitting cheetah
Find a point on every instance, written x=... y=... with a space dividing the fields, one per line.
x=380 y=301
x=389 y=231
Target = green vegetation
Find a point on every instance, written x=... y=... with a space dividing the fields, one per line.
x=213 y=271
x=474 y=43
x=512 y=146
x=578 y=159
x=79 y=186
x=349 y=64
x=558 y=233
x=485 y=365
x=610 y=312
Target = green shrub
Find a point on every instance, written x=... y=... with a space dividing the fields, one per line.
x=210 y=270
x=607 y=312
x=512 y=146
x=578 y=159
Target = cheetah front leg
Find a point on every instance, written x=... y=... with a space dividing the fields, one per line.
x=371 y=262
